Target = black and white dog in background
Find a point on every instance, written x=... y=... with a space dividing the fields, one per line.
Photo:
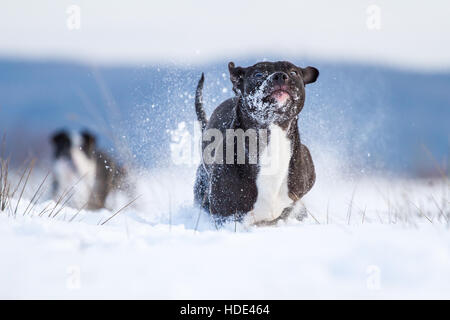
x=269 y=98
x=79 y=167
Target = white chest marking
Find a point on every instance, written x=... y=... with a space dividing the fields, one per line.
x=272 y=179
x=86 y=167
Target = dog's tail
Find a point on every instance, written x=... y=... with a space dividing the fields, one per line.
x=201 y=115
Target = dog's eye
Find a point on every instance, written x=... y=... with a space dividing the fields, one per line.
x=294 y=73
x=258 y=75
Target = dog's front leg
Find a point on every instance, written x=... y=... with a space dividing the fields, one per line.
x=302 y=174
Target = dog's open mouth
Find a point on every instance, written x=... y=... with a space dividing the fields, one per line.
x=280 y=96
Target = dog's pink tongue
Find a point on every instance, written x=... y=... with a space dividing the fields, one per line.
x=280 y=96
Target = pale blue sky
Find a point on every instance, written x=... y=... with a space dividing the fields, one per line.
x=412 y=35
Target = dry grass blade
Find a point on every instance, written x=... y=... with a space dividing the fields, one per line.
x=64 y=204
x=37 y=200
x=21 y=178
x=114 y=114
x=30 y=169
x=78 y=212
x=65 y=193
x=5 y=199
x=35 y=194
x=309 y=212
x=350 y=207
x=441 y=212
x=435 y=163
x=297 y=198
x=4 y=184
x=364 y=214
x=198 y=220
x=3 y=147
x=44 y=210
x=120 y=210
x=200 y=212
x=421 y=212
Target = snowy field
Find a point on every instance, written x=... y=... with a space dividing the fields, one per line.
x=365 y=237
x=128 y=75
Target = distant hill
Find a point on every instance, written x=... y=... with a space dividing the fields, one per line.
x=378 y=117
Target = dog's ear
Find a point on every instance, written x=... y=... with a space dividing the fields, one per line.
x=59 y=138
x=310 y=74
x=236 y=77
x=89 y=142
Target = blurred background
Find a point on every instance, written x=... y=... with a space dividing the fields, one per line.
x=128 y=71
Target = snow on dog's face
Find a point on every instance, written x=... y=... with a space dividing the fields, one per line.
x=272 y=92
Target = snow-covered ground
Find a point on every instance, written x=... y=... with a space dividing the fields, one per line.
x=366 y=237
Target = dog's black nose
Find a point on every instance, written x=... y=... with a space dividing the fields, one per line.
x=279 y=78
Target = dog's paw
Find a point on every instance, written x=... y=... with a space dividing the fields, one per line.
x=297 y=212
